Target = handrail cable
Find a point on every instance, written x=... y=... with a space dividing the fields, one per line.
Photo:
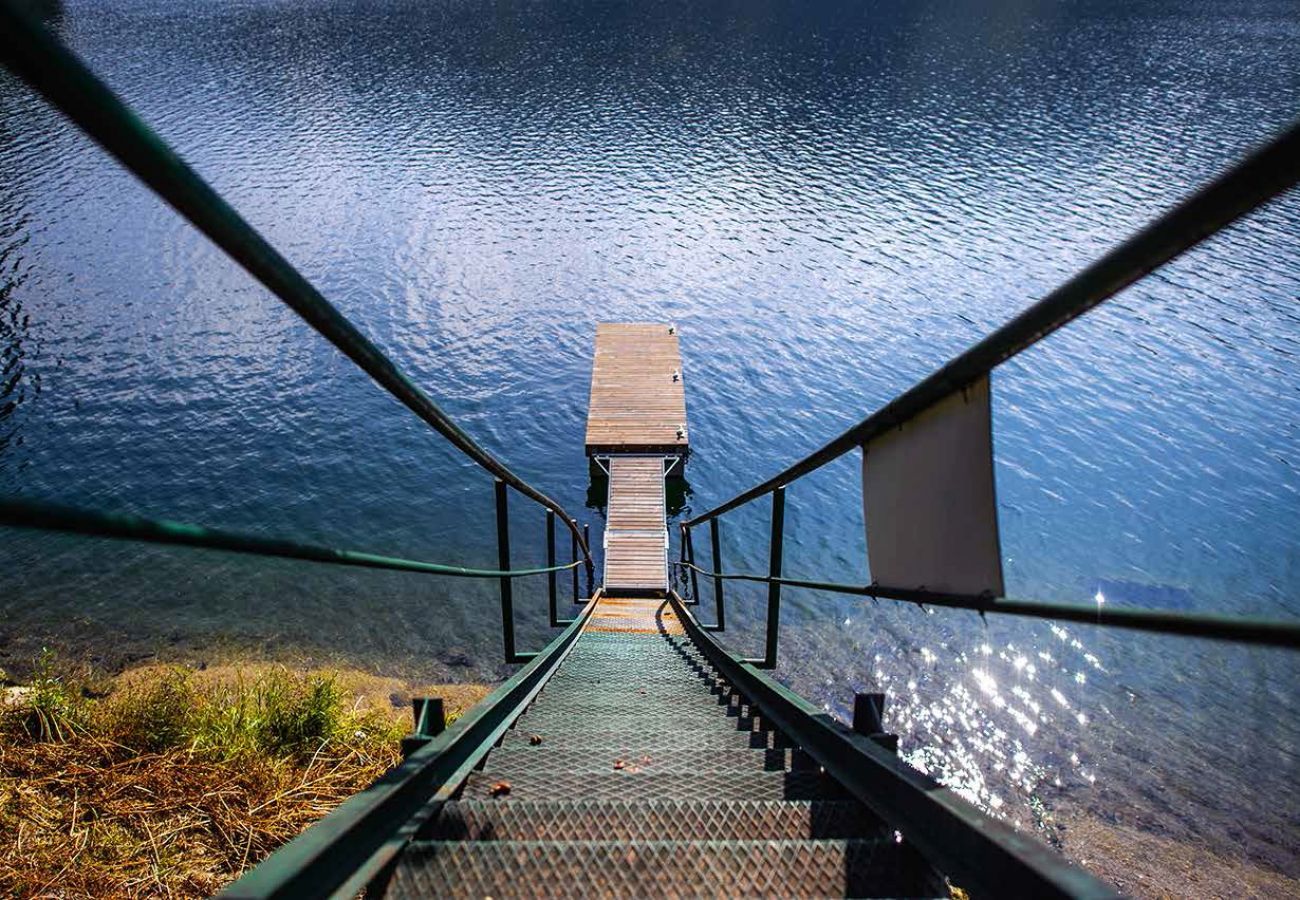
x=1258 y=178
x=1246 y=630
x=56 y=517
x=31 y=52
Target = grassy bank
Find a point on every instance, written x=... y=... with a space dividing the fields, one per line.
x=172 y=781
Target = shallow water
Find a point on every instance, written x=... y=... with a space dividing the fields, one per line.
x=828 y=200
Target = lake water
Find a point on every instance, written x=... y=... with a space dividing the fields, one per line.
x=828 y=199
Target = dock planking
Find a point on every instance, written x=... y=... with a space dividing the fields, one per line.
x=637 y=405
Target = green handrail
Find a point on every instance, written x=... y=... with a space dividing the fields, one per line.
x=1240 y=629
x=56 y=517
x=1261 y=176
x=31 y=52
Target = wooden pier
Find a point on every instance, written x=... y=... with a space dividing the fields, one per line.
x=636 y=432
x=638 y=398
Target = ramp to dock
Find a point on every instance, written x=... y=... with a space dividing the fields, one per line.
x=636 y=534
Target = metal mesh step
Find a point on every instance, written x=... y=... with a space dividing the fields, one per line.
x=642 y=660
x=622 y=677
x=638 y=699
x=664 y=821
x=651 y=648
x=643 y=740
x=652 y=721
x=647 y=704
x=637 y=647
x=645 y=785
x=623 y=644
x=615 y=645
x=628 y=687
x=615 y=672
x=685 y=761
x=587 y=680
x=657 y=869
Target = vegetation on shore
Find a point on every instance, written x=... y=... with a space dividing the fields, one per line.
x=171 y=780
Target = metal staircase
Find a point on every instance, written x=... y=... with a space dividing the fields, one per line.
x=639 y=770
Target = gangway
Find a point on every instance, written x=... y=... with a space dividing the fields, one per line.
x=636 y=533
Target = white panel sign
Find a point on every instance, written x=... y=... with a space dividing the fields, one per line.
x=927 y=491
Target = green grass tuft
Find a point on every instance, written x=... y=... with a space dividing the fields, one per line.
x=275 y=713
x=54 y=708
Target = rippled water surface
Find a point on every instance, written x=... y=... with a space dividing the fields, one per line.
x=828 y=199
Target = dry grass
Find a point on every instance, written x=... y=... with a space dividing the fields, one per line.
x=177 y=781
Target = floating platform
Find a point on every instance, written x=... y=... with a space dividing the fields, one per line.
x=638 y=395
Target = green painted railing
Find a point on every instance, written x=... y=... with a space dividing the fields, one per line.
x=1263 y=175
x=31 y=52
x=56 y=517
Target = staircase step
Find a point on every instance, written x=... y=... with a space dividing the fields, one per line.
x=505 y=762
x=663 y=821
x=641 y=740
x=591 y=681
x=653 y=721
x=656 y=868
x=680 y=660
x=643 y=785
x=634 y=694
x=645 y=662
x=638 y=701
x=636 y=649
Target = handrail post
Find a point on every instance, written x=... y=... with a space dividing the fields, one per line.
x=774 y=570
x=719 y=615
x=591 y=569
x=690 y=556
x=503 y=563
x=573 y=543
x=552 y=576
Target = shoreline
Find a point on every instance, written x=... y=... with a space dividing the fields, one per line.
x=1142 y=864
x=98 y=650
x=1139 y=862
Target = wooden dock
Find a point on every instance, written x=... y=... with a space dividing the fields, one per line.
x=638 y=398
x=636 y=432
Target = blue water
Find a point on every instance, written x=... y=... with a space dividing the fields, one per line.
x=828 y=199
